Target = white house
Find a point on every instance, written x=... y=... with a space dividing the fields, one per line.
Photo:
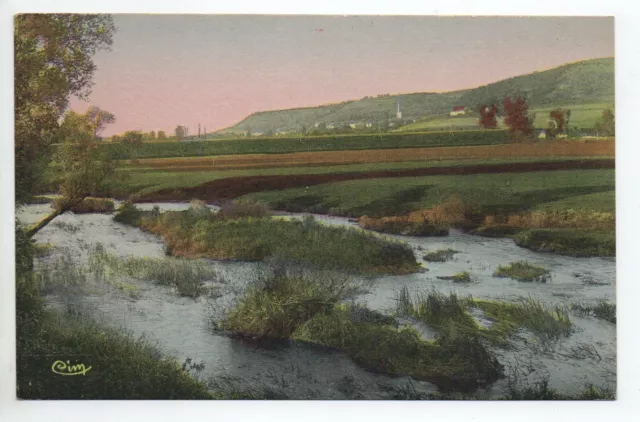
x=457 y=111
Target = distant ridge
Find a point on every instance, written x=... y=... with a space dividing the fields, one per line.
x=583 y=82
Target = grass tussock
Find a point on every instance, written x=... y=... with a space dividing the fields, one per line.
x=187 y=277
x=199 y=232
x=523 y=271
x=274 y=306
x=548 y=324
x=569 y=242
x=461 y=277
x=441 y=255
x=88 y=205
x=602 y=309
x=450 y=313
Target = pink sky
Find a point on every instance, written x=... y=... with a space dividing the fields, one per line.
x=166 y=70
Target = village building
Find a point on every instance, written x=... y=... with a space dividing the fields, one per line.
x=457 y=111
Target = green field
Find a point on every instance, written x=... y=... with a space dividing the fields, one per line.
x=322 y=143
x=515 y=192
x=146 y=180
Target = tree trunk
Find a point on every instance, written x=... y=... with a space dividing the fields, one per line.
x=35 y=229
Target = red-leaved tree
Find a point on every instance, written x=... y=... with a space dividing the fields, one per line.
x=488 y=114
x=517 y=118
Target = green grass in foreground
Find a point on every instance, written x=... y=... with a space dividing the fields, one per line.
x=494 y=193
x=198 y=232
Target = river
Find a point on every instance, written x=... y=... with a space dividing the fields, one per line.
x=180 y=326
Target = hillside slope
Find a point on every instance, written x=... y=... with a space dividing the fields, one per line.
x=589 y=81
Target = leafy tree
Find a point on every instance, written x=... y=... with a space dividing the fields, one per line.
x=606 y=126
x=180 y=132
x=518 y=118
x=81 y=167
x=132 y=137
x=152 y=135
x=488 y=116
x=99 y=119
x=115 y=138
x=52 y=61
x=162 y=136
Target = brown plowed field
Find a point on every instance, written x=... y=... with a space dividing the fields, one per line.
x=596 y=148
x=221 y=190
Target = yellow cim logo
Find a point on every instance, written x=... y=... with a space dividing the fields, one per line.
x=65 y=368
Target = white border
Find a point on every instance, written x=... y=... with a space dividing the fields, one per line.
x=628 y=207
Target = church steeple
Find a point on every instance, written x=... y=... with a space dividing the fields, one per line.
x=398 y=112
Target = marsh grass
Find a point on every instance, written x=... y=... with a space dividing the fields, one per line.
x=313 y=308
x=441 y=255
x=450 y=314
x=276 y=304
x=523 y=271
x=453 y=363
x=602 y=309
x=59 y=275
x=202 y=233
x=548 y=324
x=580 y=243
x=461 y=277
x=186 y=276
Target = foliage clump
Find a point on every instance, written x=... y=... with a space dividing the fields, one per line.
x=523 y=271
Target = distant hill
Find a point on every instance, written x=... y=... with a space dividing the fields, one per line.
x=589 y=81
